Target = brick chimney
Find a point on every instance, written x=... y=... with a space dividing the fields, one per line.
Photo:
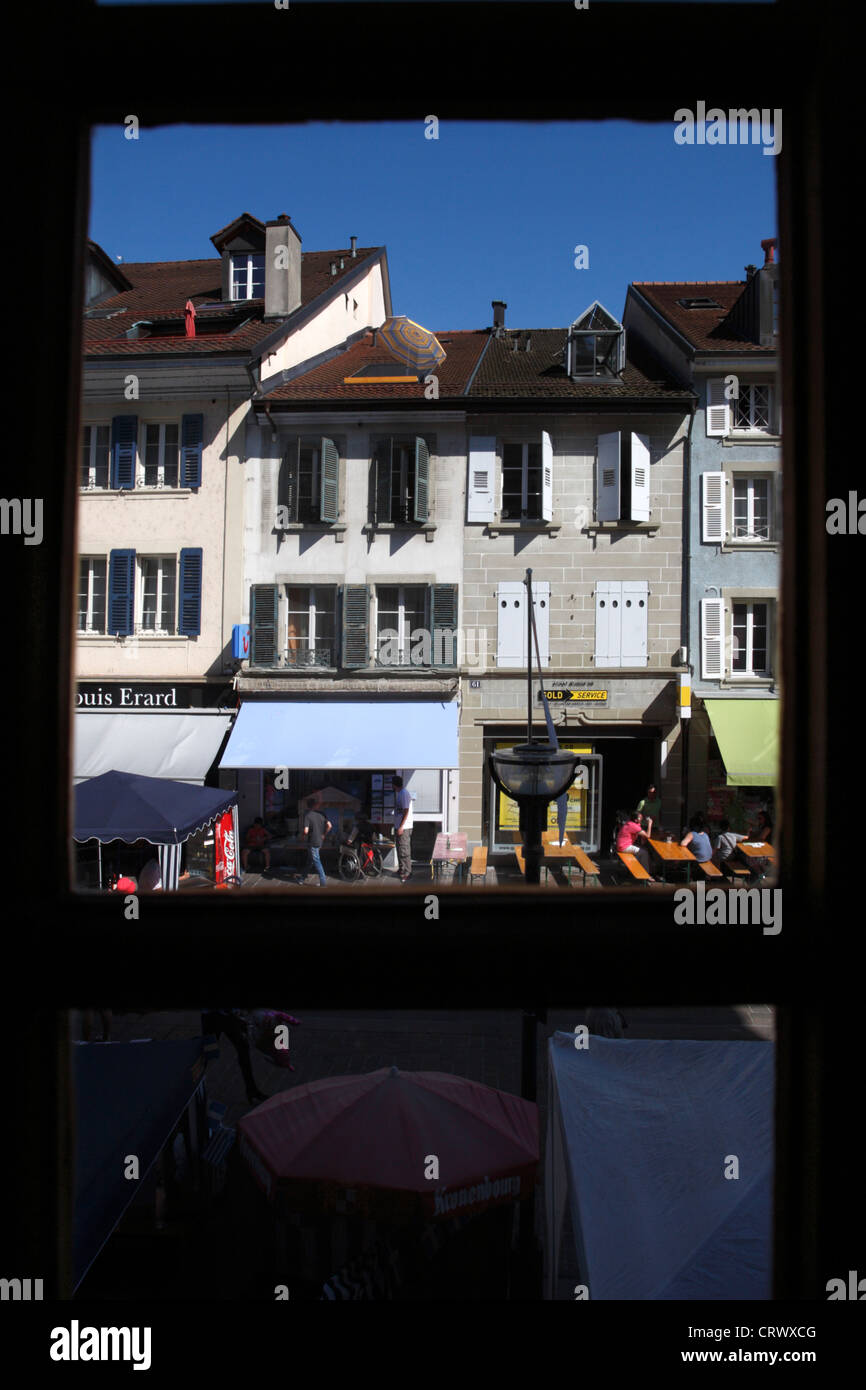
x=282 y=268
x=499 y=306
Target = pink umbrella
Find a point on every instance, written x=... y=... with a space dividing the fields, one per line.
x=189 y=318
x=362 y=1144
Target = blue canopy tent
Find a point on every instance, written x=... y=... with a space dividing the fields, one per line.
x=642 y=1138
x=125 y=806
x=129 y=1098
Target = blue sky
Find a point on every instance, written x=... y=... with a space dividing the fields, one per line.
x=487 y=211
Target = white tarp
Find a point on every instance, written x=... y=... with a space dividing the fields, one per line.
x=152 y=743
x=640 y=1136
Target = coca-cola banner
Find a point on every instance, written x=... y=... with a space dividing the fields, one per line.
x=225 y=848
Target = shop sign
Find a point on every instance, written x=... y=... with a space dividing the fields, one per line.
x=140 y=696
x=561 y=695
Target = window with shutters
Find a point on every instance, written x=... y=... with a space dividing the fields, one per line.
x=526 y=480
x=521 y=482
x=158 y=461
x=621 y=622
x=512 y=626
x=401 y=480
x=416 y=625
x=156 y=598
x=752 y=502
x=751 y=408
x=750 y=640
x=248 y=276
x=95 y=456
x=309 y=483
x=311 y=633
x=623 y=477
x=92 y=571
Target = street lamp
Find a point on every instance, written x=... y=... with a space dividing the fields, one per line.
x=534 y=773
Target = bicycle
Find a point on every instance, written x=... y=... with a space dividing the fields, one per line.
x=359 y=861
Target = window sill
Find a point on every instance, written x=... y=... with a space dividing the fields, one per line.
x=639 y=527
x=747 y=682
x=103 y=638
x=751 y=437
x=547 y=528
x=324 y=528
x=738 y=547
x=137 y=491
x=425 y=528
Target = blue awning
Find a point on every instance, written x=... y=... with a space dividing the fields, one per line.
x=359 y=735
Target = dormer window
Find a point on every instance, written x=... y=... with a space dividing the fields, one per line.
x=248 y=276
x=596 y=344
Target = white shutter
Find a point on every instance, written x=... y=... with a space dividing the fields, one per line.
x=635 y=607
x=546 y=481
x=482 y=471
x=607 y=477
x=511 y=624
x=713 y=507
x=712 y=638
x=541 y=605
x=718 y=409
x=608 y=622
x=640 y=477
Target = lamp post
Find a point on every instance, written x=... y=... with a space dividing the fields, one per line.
x=533 y=773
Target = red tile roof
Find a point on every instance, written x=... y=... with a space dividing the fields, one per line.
x=160 y=290
x=704 y=329
x=325 y=382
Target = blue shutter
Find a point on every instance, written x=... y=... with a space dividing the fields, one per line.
x=189 y=604
x=191 y=435
x=121 y=592
x=124 y=436
x=264 y=617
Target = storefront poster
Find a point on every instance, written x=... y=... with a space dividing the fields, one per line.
x=225 y=849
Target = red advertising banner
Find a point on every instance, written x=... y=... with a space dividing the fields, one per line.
x=225 y=849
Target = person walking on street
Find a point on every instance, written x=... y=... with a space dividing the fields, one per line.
x=233 y=1024
x=403 y=828
x=316 y=827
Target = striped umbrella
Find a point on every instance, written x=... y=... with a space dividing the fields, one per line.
x=411 y=344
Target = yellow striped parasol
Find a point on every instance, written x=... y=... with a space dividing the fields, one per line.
x=416 y=347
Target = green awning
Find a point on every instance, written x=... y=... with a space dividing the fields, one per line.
x=747 y=732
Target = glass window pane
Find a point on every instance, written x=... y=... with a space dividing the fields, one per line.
x=168 y=587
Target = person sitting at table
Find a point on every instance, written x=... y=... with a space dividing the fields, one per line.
x=628 y=836
x=697 y=838
x=726 y=842
x=257 y=838
x=763 y=831
x=651 y=808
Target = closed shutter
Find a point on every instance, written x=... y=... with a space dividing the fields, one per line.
x=607 y=477
x=382 y=480
x=634 y=608
x=546 y=477
x=713 y=507
x=608 y=622
x=121 y=592
x=422 y=480
x=712 y=638
x=191 y=437
x=287 y=482
x=264 y=617
x=640 y=477
x=356 y=615
x=718 y=409
x=124 y=435
x=443 y=624
x=329 y=462
x=482 y=471
x=189 y=603
x=541 y=609
x=511 y=624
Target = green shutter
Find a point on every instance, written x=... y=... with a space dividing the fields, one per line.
x=422 y=479
x=264 y=613
x=382 y=480
x=443 y=624
x=356 y=616
x=329 y=465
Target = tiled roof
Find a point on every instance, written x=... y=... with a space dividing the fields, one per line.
x=540 y=373
x=325 y=382
x=160 y=290
x=704 y=329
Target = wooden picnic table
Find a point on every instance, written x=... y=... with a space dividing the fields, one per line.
x=450 y=848
x=669 y=852
x=753 y=849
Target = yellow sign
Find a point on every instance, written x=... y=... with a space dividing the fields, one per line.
x=509 y=811
x=576 y=694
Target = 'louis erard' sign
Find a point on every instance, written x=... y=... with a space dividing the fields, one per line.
x=142 y=696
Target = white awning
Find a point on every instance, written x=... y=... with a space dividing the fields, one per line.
x=344 y=734
x=153 y=743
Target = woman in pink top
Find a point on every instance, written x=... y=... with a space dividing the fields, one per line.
x=628 y=839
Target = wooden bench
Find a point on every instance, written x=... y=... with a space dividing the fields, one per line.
x=708 y=868
x=478 y=867
x=735 y=870
x=634 y=866
x=585 y=864
x=521 y=862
